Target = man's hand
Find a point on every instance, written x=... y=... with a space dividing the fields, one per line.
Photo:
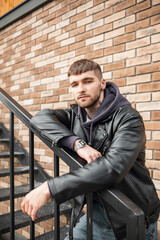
x=35 y=200
x=88 y=153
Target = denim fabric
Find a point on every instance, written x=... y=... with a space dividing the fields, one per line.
x=102 y=229
x=151 y=232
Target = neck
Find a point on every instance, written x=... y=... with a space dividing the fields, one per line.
x=91 y=112
x=93 y=109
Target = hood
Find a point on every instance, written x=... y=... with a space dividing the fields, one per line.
x=111 y=102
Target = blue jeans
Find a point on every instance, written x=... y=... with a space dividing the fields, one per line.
x=102 y=229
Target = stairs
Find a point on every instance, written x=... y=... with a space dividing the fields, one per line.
x=47 y=236
x=7 y=154
x=17 y=171
x=50 y=235
x=19 y=191
x=21 y=219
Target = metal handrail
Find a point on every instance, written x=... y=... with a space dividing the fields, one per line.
x=133 y=215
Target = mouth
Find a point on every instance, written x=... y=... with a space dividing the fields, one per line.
x=82 y=96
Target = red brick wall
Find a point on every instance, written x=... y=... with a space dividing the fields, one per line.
x=122 y=36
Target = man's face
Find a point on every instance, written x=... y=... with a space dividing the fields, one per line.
x=87 y=89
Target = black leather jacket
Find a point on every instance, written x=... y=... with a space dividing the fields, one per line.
x=121 y=140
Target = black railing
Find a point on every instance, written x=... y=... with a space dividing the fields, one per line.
x=132 y=215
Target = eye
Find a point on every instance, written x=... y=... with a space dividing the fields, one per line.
x=88 y=81
x=74 y=85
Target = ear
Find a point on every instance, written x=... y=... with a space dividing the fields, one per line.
x=103 y=84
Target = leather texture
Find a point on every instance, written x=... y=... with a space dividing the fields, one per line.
x=121 y=140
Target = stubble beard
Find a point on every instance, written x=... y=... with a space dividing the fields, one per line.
x=90 y=104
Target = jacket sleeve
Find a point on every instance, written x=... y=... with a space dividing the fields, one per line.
x=111 y=168
x=53 y=124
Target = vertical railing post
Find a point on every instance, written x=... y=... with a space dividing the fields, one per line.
x=31 y=175
x=12 y=176
x=89 y=216
x=56 y=206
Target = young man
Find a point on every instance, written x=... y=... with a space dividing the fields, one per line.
x=109 y=134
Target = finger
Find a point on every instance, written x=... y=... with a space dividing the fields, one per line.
x=89 y=159
x=26 y=207
x=94 y=156
x=30 y=211
x=33 y=219
x=23 y=206
x=99 y=154
x=33 y=215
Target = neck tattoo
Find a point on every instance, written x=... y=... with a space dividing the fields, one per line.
x=91 y=112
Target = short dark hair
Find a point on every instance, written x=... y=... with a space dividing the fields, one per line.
x=85 y=65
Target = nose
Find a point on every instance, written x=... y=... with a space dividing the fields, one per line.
x=81 y=88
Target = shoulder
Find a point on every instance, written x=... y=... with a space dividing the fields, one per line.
x=127 y=116
x=127 y=110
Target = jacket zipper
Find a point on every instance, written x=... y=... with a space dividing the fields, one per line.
x=138 y=188
x=98 y=147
